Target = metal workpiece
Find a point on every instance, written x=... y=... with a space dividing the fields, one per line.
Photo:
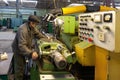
x=59 y=59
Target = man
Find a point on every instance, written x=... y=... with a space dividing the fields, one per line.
x=22 y=45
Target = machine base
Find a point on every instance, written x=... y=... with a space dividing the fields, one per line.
x=56 y=77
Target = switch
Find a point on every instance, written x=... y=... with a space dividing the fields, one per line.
x=88 y=34
x=85 y=28
x=81 y=19
x=86 y=20
x=106 y=27
x=101 y=36
x=91 y=35
x=85 y=38
x=88 y=29
x=97 y=27
x=91 y=19
x=90 y=39
x=92 y=30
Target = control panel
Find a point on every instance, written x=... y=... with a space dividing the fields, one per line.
x=101 y=29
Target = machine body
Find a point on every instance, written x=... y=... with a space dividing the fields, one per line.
x=102 y=30
x=96 y=28
x=55 y=60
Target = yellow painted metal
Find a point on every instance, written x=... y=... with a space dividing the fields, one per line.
x=75 y=9
x=101 y=63
x=105 y=8
x=114 y=67
x=85 y=53
x=117 y=32
x=107 y=65
x=83 y=8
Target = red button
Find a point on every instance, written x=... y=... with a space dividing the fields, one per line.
x=90 y=40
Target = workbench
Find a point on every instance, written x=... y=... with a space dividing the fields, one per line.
x=5 y=66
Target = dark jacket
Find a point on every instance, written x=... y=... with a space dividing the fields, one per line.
x=22 y=43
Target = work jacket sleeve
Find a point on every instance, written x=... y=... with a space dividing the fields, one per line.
x=22 y=43
x=38 y=34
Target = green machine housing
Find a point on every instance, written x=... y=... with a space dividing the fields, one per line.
x=55 y=61
x=69 y=29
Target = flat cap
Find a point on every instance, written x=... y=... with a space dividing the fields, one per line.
x=33 y=18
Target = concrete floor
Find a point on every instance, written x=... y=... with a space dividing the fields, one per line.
x=6 y=39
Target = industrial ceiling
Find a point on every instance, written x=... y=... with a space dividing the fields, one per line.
x=20 y=3
x=50 y=4
x=62 y=3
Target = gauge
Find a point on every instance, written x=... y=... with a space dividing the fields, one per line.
x=98 y=18
x=108 y=17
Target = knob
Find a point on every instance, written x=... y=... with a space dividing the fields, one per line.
x=97 y=27
x=91 y=19
x=106 y=27
x=86 y=20
x=85 y=28
x=92 y=30
x=88 y=34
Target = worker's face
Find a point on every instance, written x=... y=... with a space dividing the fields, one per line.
x=33 y=24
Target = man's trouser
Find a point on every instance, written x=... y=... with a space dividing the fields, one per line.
x=19 y=66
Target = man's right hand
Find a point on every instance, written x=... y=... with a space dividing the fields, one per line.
x=34 y=55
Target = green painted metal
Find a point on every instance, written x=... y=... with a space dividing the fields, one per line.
x=37 y=71
x=34 y=74
x=4 y=77
x=69 y=40
x=50 y=27
x=69 y=24
x=47 y=65
x=46 y=48
x=58 y=75
x=15 y=29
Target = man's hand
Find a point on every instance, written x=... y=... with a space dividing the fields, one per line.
x=34 y=55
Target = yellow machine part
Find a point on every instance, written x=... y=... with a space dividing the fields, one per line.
x=85 y=53
x=105 y=8
x=83 y=8
x=75 y=9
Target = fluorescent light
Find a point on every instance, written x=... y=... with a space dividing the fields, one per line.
x=6 y=1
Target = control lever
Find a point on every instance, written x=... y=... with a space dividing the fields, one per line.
x=48 y=17
x=47 y=35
